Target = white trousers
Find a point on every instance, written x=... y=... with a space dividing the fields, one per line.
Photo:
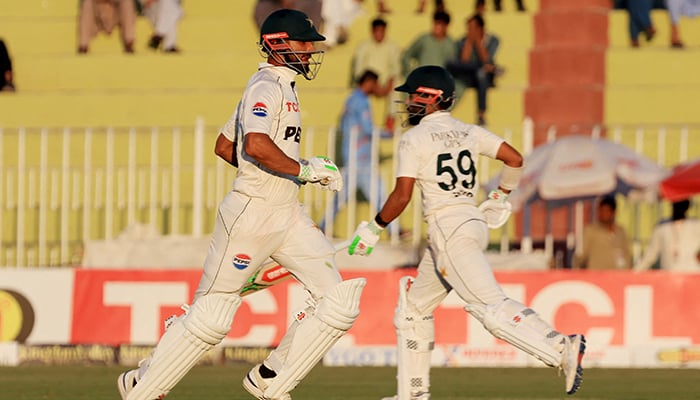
x=248 y=231
x=455 y=260
x=164 y=15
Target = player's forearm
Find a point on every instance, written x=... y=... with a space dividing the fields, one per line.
x=392 y=209
x=226 y=150
x=397 y=200
x=260 y=147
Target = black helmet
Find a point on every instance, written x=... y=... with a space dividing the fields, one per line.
x=433 y=84
x=429 y=76
x=283 y=25
x=295 y=24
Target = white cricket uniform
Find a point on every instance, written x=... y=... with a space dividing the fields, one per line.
x=677 y=243
x=262 y=217
x=442 y=153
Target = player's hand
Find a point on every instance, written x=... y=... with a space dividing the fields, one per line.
x=496 y=209
x=321 y=170
x=365 y=237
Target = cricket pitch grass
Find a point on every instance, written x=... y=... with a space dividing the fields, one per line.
x=361 y=383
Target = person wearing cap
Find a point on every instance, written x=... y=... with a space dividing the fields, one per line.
x=261 y=218
x=439 y=154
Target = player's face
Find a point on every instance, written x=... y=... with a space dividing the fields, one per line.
x=416 y=107
x=300 y=56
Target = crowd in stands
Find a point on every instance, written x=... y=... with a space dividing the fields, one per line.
x=379 y=63
x=103 y=16
x=640 y=22
x=674 y=244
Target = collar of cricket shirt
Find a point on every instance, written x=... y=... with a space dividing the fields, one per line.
x=284 y=72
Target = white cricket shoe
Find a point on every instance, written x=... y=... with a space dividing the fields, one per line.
x=126 y=381
x=571 y=362
x=256 y=385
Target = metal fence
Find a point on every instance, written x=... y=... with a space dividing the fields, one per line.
x=61 y=187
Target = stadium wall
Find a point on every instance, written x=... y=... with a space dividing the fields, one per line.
x=106 y=316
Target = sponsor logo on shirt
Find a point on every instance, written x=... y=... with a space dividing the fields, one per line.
x=260 y=109
x=241 y=261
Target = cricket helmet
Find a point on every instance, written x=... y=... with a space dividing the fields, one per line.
x=433 y=85
x=284 y=25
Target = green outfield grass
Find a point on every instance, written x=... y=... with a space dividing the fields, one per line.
x=329 y=383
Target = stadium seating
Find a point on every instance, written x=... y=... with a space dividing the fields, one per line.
x=107 y=87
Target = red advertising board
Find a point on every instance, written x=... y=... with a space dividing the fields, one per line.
x=611 y=308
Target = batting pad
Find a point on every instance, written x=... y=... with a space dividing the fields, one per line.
x=415 y=336
x=335 y=314
x=520 y=326
x=205 y=324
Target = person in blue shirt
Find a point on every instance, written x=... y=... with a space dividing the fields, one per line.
x=357 y=115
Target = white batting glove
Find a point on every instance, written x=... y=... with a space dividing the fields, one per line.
x=321 y=170
x=365 y=237
x=496 y=209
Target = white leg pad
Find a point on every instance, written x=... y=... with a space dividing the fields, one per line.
x=336 y=313
x=415 y=336
x=278 y=355
x=186 y=340
x=520 y=326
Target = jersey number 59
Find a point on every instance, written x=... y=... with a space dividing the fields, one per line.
x=460 y=169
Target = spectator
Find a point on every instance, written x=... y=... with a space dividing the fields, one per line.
x=639 y=12
x=382 y=56
x=263 y=8
x=474 y=65
x=676 y=8
x=676 y=242
x=6 y=81
x=312 y=8
x=357 y=116
x=164 y=16
x=498 y=7
x=439 y=6
x=338 y=15
x=97 y=16
x=605 y=244
x=431 y=48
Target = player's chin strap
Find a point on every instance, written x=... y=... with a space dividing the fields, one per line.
x=335 y=314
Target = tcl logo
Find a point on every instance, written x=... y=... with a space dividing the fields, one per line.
x=292 y=106
x=611 y=309
x=145 y=320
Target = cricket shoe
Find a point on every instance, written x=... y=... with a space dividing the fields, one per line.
x=256 y=385
x=571 y=363
x=126 y=381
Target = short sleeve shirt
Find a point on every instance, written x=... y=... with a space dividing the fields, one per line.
x=269 y=105
x=442 y=153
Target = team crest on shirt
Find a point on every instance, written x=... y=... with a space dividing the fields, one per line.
x=241 y=261
x=260 y=109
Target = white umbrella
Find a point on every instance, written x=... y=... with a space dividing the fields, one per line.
x=574 y=168
x=578 y=167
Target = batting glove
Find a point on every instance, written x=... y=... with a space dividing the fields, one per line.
x=496 y=209
x=321 y=170
x=365 y=237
